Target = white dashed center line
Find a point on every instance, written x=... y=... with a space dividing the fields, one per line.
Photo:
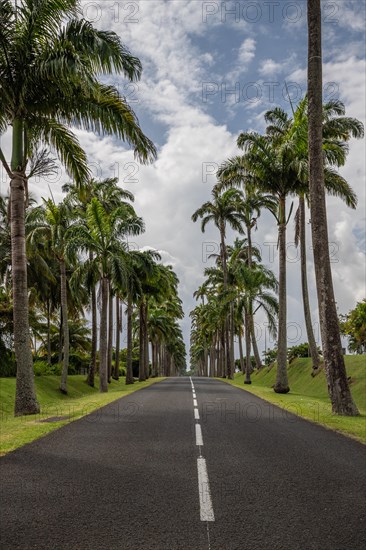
x=199 y=440
x=206 y=508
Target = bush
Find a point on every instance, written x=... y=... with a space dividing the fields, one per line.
x=7 y=363
x=42 y=368
x=302 y=350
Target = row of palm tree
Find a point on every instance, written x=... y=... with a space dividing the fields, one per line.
x=51 y=64
x=79 y=248
x=273 y=167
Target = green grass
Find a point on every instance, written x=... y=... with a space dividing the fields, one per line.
x=80 y=400
x=308 y=396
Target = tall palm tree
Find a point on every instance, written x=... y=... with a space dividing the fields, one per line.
x=110 y=196
x=49 y=65
x=51 y=223
x=103 y=234
x=225 y=209
x=291 y=133
x=339 y=392
x=272 y=170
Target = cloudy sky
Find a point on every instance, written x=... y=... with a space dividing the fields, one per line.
x=211 y=70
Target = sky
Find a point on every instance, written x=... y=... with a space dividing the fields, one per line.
x=210 y=71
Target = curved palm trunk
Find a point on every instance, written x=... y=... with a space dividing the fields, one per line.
x=281 y=385
x=338 y=387
x=25 y=394
x=129 y=373
x=248 y=365
x=110 y=334
x=304 y=287
x=93 y=358
x=65 y=325
x=103 y=339
x=142 y=374
x=118 y=333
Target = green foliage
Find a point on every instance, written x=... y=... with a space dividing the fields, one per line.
x=42 y=368
x=301 y=350
x=353 y=325
x=270 y=356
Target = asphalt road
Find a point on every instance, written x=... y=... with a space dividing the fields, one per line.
x=150 y=472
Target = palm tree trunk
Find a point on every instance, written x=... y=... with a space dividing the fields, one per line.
x=258 y=361
x=338 y=388
x=223 y=353
x=257 y=357
x=103 y=339
x=248 y=364
x=60 y=338
x=212 y=358
x=65 y=324
x=281 y=385
x=118 y=333
x=304 y=287
x=129 y=373
x=93 y=358
x=142 y=374
x=232 y=330
x=146 y=340
x=25 y=394
x=48 y=332
x=229 y=371
x=241 y=355
x=154 y=365
x=110 y=334
x=205 y=361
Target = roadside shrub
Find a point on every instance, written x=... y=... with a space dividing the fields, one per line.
x=7 y=363
x=42 y=368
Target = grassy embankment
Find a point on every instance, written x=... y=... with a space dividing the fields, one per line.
x=81 y=400
x=308 y=396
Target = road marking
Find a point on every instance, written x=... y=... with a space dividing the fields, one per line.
x=194 y=395
x=199 y=439
x=195 y=403
x=206 y=509
x=196 y=414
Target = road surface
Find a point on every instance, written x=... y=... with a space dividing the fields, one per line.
x=186 y=464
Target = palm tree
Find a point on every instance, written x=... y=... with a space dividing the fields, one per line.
x=233 y=173
x=291 y=133
x=103 y=234
x=338 y=387
x=110 y=196
x=226 y=208
x=50 y=225
x=49 y=66
x=272 y=170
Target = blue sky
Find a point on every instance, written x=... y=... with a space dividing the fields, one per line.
x=190 y=54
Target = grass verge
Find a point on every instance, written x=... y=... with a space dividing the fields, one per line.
x=80 y=401
x=308 y=396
